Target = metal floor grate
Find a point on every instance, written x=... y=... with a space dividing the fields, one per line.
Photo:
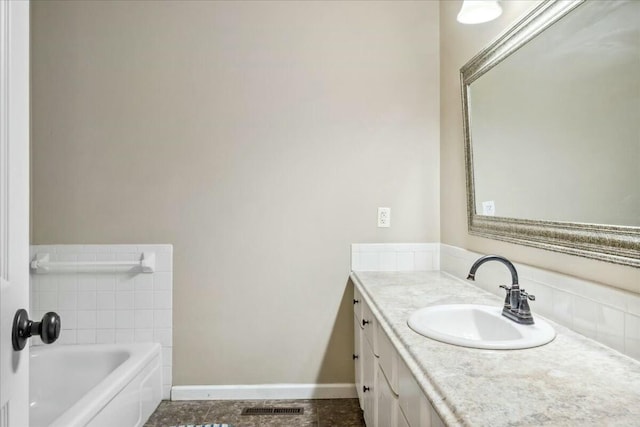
x=272 y=411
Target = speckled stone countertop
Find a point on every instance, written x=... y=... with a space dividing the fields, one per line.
x=571 y=381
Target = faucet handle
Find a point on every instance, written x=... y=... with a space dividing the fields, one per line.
x=505 y=287
x=524 y=312
x=525 y=295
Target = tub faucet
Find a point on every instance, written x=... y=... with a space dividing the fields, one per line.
x=516 y=304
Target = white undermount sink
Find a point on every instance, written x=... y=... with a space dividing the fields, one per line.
x=478 y=326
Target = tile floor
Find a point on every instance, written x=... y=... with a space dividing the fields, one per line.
x=317 y=413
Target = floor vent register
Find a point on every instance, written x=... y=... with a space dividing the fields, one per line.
x=272 y=411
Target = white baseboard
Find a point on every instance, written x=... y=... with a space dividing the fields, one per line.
x=263 y=391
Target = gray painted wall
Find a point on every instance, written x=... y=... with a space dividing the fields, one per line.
x=258 y=138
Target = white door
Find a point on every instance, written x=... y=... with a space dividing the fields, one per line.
x=14 y=207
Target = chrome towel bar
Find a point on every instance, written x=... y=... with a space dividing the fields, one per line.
x=41 y=264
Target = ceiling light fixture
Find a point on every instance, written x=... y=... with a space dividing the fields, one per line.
x=479 y=11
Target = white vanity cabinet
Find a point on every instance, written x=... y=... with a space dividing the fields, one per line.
x=388 y=359
x=369 y=384
x=387 y=386
x=365 y=358
x=388 y=392
x=414 y=405
x=358 y=335
x=370 y=327
x=387 y=405
x=357 y=303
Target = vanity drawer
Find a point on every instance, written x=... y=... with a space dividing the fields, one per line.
x=370 y=325
x=388 y=359
x=387 y=402
x=357 y=303
x=357 y=356
x=412 y=401
x=369 y=384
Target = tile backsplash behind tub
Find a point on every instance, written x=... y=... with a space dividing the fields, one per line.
x=108 y=307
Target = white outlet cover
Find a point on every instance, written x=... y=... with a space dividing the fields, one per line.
x=384 y=217
x=489 y=208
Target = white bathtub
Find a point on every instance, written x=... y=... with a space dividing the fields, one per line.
x=94 y=385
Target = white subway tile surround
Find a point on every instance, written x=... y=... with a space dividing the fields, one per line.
x=395 y=256
x=109 y=307
x=608 y=315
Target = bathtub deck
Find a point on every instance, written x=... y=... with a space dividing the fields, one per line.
x=317 y=413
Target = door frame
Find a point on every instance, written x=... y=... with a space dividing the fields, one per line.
x=14 y=206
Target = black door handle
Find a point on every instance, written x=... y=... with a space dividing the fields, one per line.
x=48 y=328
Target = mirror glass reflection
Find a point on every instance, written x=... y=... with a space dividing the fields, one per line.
x=555 y=127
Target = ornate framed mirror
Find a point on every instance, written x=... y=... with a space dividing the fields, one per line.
x=551 y=115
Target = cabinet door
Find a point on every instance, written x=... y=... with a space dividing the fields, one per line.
x=369 y=380
x=387 y=402
x=357 y=356
x=370 y=326
x=357 y=303
x=413 y=403
x=388 y=359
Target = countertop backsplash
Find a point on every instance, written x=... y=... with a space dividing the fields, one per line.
x=608 y=315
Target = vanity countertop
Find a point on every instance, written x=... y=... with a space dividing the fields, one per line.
x=571 y=381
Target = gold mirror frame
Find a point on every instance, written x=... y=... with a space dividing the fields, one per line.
x=611 y=243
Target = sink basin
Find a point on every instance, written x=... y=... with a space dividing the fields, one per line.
x=478 y=326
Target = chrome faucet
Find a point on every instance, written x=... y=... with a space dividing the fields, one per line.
x=516 y=304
